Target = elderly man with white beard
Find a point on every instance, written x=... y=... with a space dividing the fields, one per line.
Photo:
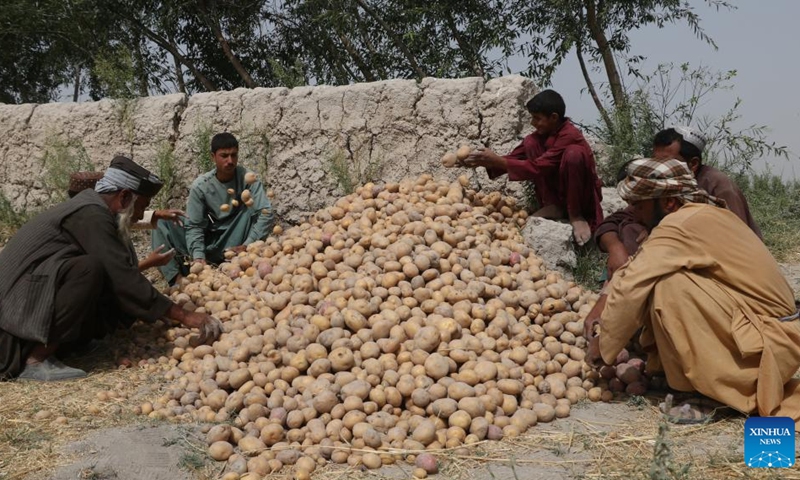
x=71 y=275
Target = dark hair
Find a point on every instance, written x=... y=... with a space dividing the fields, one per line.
x=547 y=102
x=223 y=140
x=667 y=137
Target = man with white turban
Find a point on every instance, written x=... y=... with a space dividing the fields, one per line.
x=717 y=316
x=69 y=275
x=620 y=235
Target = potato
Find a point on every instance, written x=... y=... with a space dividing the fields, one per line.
x=628 y=373
x=544 y=412
x=636 y=388
x=220 y=451
x=449 y=160
x=637 y=363
x=494 y=432
x=218 y=433
x=459 y=390
x=251 y=446
x=594 y=394
x=427 y=339
x=427 y=462
x=250 y=178
x=271 y=434
x=622 y=357
x=522 y=419
x=371 y=461
x=460 y=419
x=436 y=366
x=462 y=153
x=444 y=407
x=424 y=433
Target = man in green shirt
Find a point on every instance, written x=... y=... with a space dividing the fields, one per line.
x=227 y=210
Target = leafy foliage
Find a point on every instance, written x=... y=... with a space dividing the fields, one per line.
x=352 y=169
x=136 y=47
x=165 y=168
x=775 y=205
x=201 y=147
x=61 y=159
x=10 y=219
x=676 y=95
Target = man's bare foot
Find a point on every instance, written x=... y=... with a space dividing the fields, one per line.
x=551 y=212
x=580 y=230
x=40 y=353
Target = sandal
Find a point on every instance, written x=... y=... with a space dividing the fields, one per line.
x=695 y=410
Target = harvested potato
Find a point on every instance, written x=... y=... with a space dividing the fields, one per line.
x=463 y=152
x=220 y=451
x=449 y=160
x=250 y=178
x=427 y=462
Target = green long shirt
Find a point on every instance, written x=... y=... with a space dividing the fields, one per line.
x=207 y=221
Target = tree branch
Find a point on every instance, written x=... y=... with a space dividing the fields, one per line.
x=596 y=31
x=213 y=23
x=357 y=58
x=165 y=44
x=465 y=47
x=590 y=85
x=398 y=42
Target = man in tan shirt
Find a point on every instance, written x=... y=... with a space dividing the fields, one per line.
x=717 y=315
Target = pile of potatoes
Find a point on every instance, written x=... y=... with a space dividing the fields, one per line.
x=407 y=317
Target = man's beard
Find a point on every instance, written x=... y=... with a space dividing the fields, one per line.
x=125 y=220
x=658 y=214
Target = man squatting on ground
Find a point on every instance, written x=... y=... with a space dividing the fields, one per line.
x=559 y=162
x=717 y=315
x=218 y=217
x=69 y=275
x=620 y=234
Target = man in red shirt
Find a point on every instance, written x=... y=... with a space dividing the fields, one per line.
x=559 y=162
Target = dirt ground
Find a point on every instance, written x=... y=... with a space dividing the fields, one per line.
x=86 y=430
x=599 y=440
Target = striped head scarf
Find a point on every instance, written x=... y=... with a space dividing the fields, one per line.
x=648 y=179
x=125 y=174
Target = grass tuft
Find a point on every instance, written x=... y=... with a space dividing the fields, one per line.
x=351 y=171
x=201 y=147
x=165 y=166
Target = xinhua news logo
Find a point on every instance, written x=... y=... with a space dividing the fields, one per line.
x=769 y=442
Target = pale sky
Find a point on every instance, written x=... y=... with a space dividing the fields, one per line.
x=759 y=39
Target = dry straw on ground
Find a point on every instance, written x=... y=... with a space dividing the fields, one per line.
x=600 y=441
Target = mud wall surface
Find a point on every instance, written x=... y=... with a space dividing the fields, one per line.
x=380 y=131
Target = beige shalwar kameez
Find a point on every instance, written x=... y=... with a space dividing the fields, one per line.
x=708 y=294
